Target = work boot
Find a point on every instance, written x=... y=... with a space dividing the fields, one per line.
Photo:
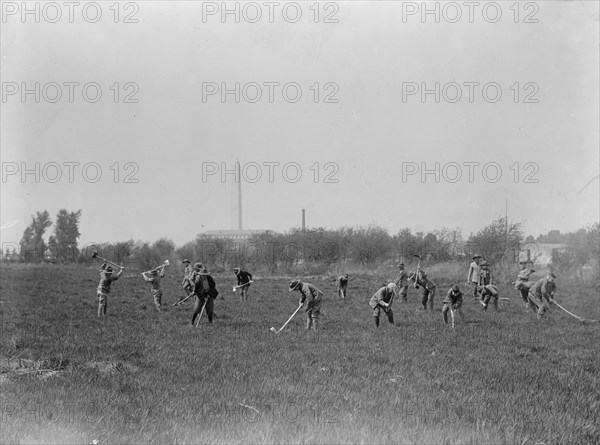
x=391 y=319
x=377 y=321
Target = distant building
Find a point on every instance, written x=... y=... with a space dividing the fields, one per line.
x=235 y=235
x=540 y=253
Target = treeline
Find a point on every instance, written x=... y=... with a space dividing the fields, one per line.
x=367 y=246
x=314 y=250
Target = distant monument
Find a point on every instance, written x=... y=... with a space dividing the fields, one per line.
x=236 y=232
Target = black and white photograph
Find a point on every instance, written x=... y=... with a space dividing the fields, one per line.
x=300 y=222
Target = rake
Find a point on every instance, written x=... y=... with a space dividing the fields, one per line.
x=581 y=320
x=179 y=302
x=242 y=285
x=157 y=268
x=95 y=255
x=286 y=323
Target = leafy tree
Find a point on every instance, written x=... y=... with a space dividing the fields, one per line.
x=370 y=243
x=32 y=243
x=450 y=244
x=66 y=233
x=496 y=241
x=552 y=237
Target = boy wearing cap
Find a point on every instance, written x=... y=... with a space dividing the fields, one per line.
x=312 y=296
x=453 y=302
x=342 y=285
x=523 y=284
x=474 y=274
x=542 y=293
x=401 y=282
x=106 y=279
x=244 y=279
x=427 y=285
x=154 y=278
x=382 y=300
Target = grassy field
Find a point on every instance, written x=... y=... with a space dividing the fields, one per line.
x=146 y=377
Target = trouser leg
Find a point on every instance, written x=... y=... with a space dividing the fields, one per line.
x=425 y=298
x=430 y=298
x=157 y=294
x=390 y=315
x=102 y=305
x=197 y=309
x=210 y=305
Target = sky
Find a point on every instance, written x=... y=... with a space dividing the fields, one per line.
x=329 y=116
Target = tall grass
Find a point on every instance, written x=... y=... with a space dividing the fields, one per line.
x=144 y=377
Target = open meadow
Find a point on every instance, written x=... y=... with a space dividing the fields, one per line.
x=146 y=377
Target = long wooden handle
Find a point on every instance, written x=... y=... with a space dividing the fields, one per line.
x=570 y=313
x=290 y=319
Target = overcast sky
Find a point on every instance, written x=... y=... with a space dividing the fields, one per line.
x=368 y=129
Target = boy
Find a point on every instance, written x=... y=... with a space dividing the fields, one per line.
x=489 y=292
x=428 y=288
x=154 y=278
x=106 y=279
x=474 y=273
x=342 y=285
x=453 y=302
x=485 y=274
x=206 y=292
x=542 y=290
x=402 y=282
x=244 y=279
x=187 y=271
x=312 y=296
x=523 y=284
x=382 y=300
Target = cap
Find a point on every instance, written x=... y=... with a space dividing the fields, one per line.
x=294 y=284
x=186 y=261
x=401 y=265
x=484 y=263
x=392 y=286
x=476 y=256
x=455 y=288
x=198 y=266
x=552 y=275
x=236 y=270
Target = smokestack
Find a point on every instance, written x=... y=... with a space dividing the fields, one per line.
x=236 y=199
x=239 y=173
x=303 y=220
